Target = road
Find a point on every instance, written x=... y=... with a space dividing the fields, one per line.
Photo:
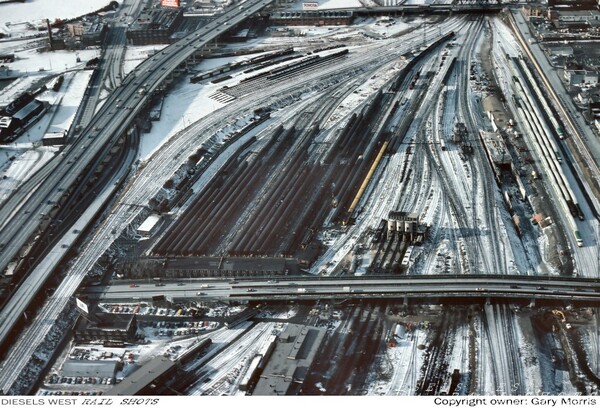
x=32 y=205
x=145 y=185
x=35 y=201
x=422 y=286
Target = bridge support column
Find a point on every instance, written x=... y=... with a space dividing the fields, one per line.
x=532 y=303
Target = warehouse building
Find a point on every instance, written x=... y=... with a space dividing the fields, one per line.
x=90 y=368
x=290 y=361
x=115 y=331
x=146 y=378
x=311 y=18
x=155 y=26
x=13 y=126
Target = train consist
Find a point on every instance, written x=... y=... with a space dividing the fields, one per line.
x=274 y=196
x=260 y=62
x=20 y=114
x=260 y=204
x=549 y=152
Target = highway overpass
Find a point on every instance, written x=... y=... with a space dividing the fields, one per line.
x=428 y=9
x=31 y=208
x=419 y=287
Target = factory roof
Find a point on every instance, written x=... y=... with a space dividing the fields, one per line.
x=227 y=264
x=27 y=109
x=89 y=368
x=290 y=362
x=143 y=376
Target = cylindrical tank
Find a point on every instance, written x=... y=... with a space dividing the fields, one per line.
x=399 y=226
x=391 y=225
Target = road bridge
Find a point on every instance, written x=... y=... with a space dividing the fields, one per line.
x=517 y=288
x=429 y=9
x=29 y=209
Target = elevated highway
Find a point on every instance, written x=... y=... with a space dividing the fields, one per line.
x=33 y=203
x=421 y=287
x=30 y=209
x=439 y=9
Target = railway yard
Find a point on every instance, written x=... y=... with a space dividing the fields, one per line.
x=387 y=148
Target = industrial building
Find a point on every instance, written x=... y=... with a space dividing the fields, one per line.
x=196 y=267
x=113 y=331
x=155 y=26
x=311 y=18
x=581 y=77
x=146 y=378
x=90 y=368
x=290 y=360
x=593 y=106
x=573 y=4
x=88 y=33
x=13 y=126
x=402 y=222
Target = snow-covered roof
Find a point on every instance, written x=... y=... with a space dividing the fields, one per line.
x=87 y=368
x=144 y=376
x=27 y=110
x=149 y=224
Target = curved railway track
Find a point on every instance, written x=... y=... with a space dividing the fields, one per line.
x=135 y=196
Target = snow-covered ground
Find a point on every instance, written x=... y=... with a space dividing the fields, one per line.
x=28 y=162
x=35 y=69
x=51 y=63
x=34 y=10
x=185 y=104
x=402 y=364
x=135 y=54
x=20 y=160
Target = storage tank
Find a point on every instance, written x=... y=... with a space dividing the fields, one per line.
x=391 y=226
x=400 y=226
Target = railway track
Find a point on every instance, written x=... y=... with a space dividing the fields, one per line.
x=143 y=187
x=152 y=176
x=435 y=369
x=276 y=217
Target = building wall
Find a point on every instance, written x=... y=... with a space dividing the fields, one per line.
x=311 y=18
x=146 y=32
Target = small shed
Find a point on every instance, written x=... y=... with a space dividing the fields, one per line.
x=149 y=225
